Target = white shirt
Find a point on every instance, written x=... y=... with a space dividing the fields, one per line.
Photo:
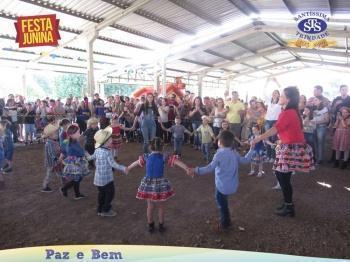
x=273 y=111
x=163 y=113
x=319 y=115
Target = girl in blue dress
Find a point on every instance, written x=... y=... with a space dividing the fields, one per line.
x=75 y=163
x=154 y=187
x=259 y=155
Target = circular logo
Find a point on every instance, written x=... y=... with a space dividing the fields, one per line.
x=312 y=25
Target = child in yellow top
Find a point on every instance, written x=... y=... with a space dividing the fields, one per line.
x=207 y=136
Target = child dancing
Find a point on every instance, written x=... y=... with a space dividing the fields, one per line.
x=75 y=164
x=52 y=155
x=154 y=187
x=226 y=165
x=178 y=131
x=207 y=135
x=104 y=180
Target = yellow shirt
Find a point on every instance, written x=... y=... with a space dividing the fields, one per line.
x=233 y=116
x=206 y=133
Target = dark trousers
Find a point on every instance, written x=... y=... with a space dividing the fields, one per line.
x=286 y=186
x=222 y=202
x=105 y=197
x=75 y=185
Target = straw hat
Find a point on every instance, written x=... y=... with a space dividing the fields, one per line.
x=49 y=130
x=102 y=136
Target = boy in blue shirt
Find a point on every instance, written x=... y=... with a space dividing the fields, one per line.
x=226 y=165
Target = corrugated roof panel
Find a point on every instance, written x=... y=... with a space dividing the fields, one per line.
x=237 y=67
x=221 y=9
x=205 y=58
x=280 y=56
x=25 y=9
x=256 y=41
x=258 y=61
x=130 y=38
x=229 y=50
x=142 y=24
x=268 y=5
x=310 y=5
x=184 y=66
x=341 y=6
x=176 y=14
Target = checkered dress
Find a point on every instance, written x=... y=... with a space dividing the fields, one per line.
x=154 y=186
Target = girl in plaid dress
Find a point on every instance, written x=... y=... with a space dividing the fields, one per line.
x=75 y=164
x=154 y=187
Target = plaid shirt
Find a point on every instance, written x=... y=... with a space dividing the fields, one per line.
x=104 y=163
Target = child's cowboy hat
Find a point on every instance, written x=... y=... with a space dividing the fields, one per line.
x=49 y=130
x=102 y=136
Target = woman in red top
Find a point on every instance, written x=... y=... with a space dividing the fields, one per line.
x=292 y=154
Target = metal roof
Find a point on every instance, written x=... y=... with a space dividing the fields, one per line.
x=222 y=38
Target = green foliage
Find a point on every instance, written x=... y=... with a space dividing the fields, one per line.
x=119 y=89
x=66 y=84
x=44 y=84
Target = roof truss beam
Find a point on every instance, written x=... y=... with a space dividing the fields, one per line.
x=251 y=51
x=290 y=7
x=195 y=62
x=189 y=7
x=82 y=15
x=77 y=32
x=245 y=7
x=152 y=17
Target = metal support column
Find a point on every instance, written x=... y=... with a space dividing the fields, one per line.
x=90 y=64
x=156 y=78
x=164 y=77
x=200 y=84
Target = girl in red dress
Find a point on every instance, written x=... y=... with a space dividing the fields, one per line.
x=117 y=139
x=293 y=153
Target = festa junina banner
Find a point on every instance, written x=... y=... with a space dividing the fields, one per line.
x=40 y=30
x=108 y=253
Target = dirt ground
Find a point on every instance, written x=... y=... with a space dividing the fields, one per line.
x=321 y=227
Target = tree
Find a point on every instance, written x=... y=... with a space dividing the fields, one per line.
x=66 y=84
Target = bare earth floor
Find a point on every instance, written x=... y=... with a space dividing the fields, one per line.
x=321 y=227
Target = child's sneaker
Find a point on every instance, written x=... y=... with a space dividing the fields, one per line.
x=161 y=228
x=63 y=192
x=260 y=174
x=151 y=227
x=80 y=196
x=276 y=187
x=46 y=190
x=7 y=170
x=110 y=213
x=251 y=173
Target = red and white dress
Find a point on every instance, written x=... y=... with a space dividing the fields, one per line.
x=117 y=139
x=293 y=154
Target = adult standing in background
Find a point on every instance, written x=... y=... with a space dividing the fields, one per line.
x=195 y=115
x=218 y=114
x=272 y=114
x=99 y=110
x=235 y=110
x=318 y=93
x=148 y=123
x=321 y=119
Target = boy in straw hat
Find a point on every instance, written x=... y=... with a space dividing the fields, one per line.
x=104 y=180
x=52 y=155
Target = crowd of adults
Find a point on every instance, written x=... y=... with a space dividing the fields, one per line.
x=319 y=115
